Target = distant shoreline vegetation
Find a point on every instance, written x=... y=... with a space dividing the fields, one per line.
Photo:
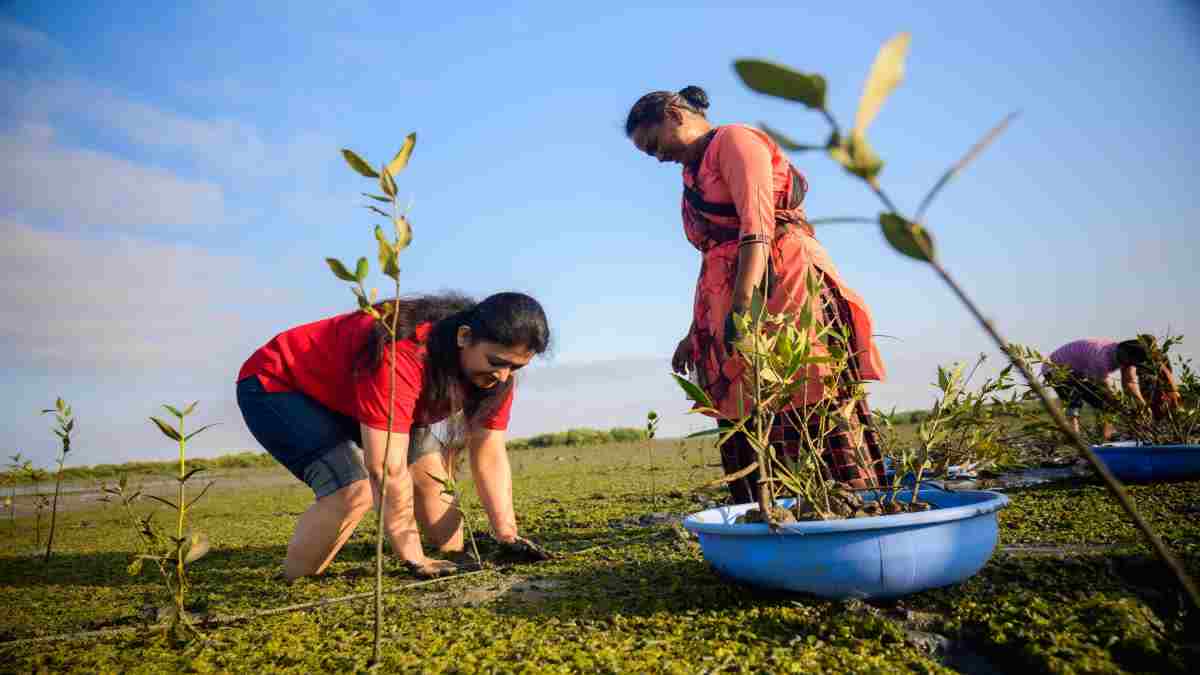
x=251 y=460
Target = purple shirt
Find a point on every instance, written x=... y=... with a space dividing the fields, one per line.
x=1093 y=358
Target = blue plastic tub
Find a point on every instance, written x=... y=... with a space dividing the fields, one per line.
x=874 y=557
x=1146 y=463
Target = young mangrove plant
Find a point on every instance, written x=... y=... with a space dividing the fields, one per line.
x=66 y=424
x=41 y=501
x=909 y=236
x=452 y=489
x=388 y=255
x=786 y=352
x=173 y=553
x=651 y=429
x=17 y=467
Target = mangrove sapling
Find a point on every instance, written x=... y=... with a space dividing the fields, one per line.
x=389 y=253
x=17 y=466
x=651 y=429
x=175 y=552
x=909 y=236
x=66 y=423
x=153 y=544
x=41 y=501
x=452 y=490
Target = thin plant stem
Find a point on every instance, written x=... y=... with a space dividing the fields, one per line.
x=54 y=511
x=387 y=452
x=180 y=571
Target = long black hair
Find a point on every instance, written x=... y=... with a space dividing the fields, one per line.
x=510 y=319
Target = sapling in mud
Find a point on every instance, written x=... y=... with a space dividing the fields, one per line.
x=388 y=255
x=41 y=502
x=17 y=467
x=651 y=429
x=909 y=236
x=66 y=424
x=453 y=490
x=173 y=553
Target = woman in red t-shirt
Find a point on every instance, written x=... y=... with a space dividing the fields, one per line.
x=317 y=398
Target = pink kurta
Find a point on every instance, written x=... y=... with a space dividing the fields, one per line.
x=743 y=166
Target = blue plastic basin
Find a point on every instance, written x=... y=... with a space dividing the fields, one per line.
x=873 y=557
x=1146 y=463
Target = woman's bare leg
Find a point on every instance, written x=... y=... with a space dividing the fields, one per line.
x=324 y=528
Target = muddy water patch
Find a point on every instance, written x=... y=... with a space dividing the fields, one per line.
x=515 y=589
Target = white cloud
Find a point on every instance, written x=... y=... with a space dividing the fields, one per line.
x=229 y=148
x=42 y=179
x=70 y=304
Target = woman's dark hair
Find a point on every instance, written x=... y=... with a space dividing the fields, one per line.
x=651 y=108
x=509 y=319
x=1134 y=352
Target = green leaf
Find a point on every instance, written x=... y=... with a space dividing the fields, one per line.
x=206 y=426
x=651 y=416
x=197 y=547
x=163 y=501
x=378 y=198
x=359 y=164
x=378 y=210
x=135 y=567
x=786 y=142
x=58 y=403
x=173 y=410
x=387 y=255
x=886 y=73
x=692 y=391
x=707 y=432
x=339 y=270
x=188 y=410
x=167 y=430
x=907 y=237
x=404 y=233
x=387 y=184
x=857 y=156
x=401 y=159
x=780 y=81
x=361 y=270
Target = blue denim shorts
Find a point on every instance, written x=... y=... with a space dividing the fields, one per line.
x=321 y=447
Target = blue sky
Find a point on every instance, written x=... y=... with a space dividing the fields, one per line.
x=170 y=181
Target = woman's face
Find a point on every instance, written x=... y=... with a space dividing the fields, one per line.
x=486 y=364
x=668 y=140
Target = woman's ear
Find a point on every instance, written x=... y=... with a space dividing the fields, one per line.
x=674 y=114
x=464 y=336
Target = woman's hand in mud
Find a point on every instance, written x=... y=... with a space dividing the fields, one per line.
x=431 y=568
x=684 y=360
x=520 y=549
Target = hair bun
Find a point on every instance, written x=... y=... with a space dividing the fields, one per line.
x=695 y=96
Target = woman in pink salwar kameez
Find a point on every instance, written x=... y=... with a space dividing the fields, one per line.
x=742 y=210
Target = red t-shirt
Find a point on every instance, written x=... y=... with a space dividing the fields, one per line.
x=317 y=359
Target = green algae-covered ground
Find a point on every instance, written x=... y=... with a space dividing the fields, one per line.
x=1070 y=590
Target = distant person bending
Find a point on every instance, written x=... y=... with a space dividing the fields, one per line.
x=316 y=397
x=1084 y=367
x=742 y=210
